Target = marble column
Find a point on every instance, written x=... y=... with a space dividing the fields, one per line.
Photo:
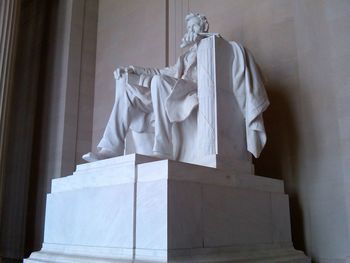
x=22 y=61
x=47 y=116
x=9 y=14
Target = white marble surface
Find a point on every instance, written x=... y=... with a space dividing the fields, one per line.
x=217 y=206
x=254 y=254
x=227 y=162
x=235 y=216
x=185 y=215
x=179 y=171
x=281 y=228
x=113 y=171
x=221 y=126
x=152 y=215
x=166 y=210
x=101 y=216
x=114 y=162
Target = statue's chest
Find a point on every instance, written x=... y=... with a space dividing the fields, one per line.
x=190 y=66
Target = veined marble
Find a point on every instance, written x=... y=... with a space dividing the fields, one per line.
x=165 y=211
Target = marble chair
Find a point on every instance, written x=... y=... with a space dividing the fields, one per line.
x=218 y=128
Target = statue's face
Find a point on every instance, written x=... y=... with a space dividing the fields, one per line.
x=193 y=25
x=191 y=36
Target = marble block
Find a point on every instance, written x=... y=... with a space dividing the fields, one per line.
x=165 y=211
x=221 y=132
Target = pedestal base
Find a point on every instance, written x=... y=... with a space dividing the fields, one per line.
x=138 y=209
x=266 y=254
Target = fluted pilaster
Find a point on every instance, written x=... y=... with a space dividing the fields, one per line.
x=9 y=13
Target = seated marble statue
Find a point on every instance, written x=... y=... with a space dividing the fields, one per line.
x=153 y=100
x=134 y=102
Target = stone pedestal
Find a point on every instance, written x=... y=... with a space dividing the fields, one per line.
x=139 y=209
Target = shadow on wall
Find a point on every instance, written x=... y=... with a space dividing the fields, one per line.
x=279 y=159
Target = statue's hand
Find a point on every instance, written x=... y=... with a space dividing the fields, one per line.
x=135 y=70
x=189 y=39
x=119 y=72
x=129 y=70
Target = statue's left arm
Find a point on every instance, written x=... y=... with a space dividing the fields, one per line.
x=172 y=71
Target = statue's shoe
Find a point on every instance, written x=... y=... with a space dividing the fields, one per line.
x=90 y=157
x=100 y=155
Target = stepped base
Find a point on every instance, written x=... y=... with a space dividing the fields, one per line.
x=139 y=209
x=268 y=254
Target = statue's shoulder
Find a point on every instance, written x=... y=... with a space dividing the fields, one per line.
x=237 y=47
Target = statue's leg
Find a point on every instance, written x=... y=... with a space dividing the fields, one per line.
x=161 y=87
x=126 y=109
x=132 y=104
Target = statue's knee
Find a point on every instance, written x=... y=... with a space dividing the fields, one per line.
x=156 y=80
x=121 y=86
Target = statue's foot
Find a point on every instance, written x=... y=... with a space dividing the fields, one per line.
x=101 y=155
x=90 y=157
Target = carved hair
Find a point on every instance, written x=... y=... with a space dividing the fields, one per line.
x=204 y=24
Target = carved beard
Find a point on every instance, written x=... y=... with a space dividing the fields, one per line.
x=184 y=42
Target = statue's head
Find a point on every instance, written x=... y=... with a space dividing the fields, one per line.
x=196 y=24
